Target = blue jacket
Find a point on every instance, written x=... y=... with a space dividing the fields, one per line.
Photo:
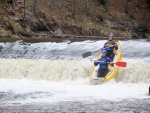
x=109 y=43
x=103 y=64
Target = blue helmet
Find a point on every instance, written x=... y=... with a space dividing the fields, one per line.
x=111 y=35
x=104 y=51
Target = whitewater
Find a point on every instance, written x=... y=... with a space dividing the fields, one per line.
x=53 y=77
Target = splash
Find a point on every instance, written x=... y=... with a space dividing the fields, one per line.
x=60 y=70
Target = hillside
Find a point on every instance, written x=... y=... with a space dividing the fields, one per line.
x=46 y=18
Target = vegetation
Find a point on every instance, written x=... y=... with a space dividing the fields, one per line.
x=75 y=17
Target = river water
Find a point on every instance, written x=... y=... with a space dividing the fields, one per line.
x=53 y=77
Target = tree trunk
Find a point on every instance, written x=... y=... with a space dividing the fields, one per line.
x=144 y=13
x=126 y=7
x=24 y=11
x=74 y=10
x=13 y=4
x=53 y=3
x=34 y=7
x=105 y=3
x=86 y=8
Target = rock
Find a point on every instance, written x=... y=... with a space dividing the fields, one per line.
x=5 y=34
x=41 y=25
x=1 y=47
x=141 y=32
x=11 y=13
x=72 y=30
x=135 y=36
x=95 y=32
x=108 y=23
x=16 y=27
x=58 y=32
x=26 y=34
x=100 y=18
x=119 y=26
x=16 y=36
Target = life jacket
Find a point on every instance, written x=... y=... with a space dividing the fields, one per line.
x=105 y=64
x=108 y=45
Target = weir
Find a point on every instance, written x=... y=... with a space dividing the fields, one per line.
x=63 y=61
x=137 y=71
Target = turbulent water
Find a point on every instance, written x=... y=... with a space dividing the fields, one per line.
x=53 y=77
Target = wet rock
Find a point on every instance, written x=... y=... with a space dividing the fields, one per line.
x=1 y=47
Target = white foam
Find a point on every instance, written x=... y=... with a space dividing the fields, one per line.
x=54 y=92
x=62 y=70
x=52 y=70
x=66 y=80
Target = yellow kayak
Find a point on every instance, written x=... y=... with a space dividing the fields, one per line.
x=112 y=70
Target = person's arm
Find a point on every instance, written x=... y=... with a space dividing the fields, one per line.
x=110 y=62
x=116 y=46
x=96 y=63
x=104 y=45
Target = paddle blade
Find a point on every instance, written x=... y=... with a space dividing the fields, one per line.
x=86 y=54
x=121 y=64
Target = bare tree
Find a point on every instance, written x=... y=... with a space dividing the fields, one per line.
x=126 y=6
x=145 y=13
x=24 y=11
x=74 y=9
x=34 y=7
x=86 y=8
x=105 y=3
x=146 y=8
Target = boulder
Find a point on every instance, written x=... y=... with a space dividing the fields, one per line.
x=58 y=32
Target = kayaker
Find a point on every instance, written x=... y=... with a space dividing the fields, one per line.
x=109 y=47
x=103 y=63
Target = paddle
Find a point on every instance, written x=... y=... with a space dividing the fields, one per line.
x=89 y=53
x=120 y=64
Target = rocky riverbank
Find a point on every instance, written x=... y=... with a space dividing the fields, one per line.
x=50 y=19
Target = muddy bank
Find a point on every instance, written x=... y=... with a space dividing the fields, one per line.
x=70 y=38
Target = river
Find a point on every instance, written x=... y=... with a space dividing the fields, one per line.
x=53 y=77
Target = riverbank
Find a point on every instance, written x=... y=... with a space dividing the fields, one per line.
x=54 y=18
